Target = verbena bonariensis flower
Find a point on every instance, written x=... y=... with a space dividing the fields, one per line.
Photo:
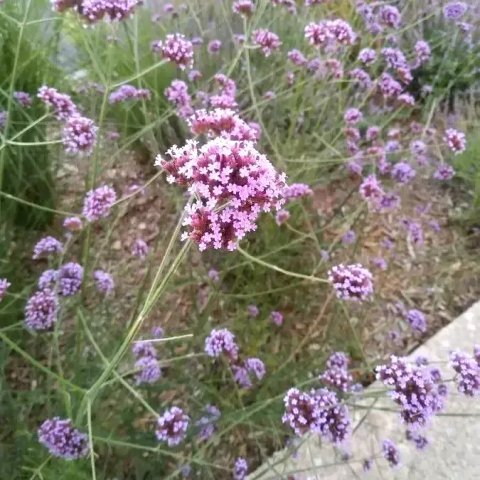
x=213 y=275
x=351 y=282
x=175 y=48
x=361 y=77
x=390 y=453
x=233 y=184
x=418 y=390
x=455 y=141
x=70 y=277
x=388 y=86
x=41 y=310
x=172 y=426
x=214 y=46
x=256 y=367
x=243 y=7
x=367 y=56
x=253 y=311
x=406 y=99
x=444 y=172
x=352 y=116
x=79 y=135
x=349 y=237
x=423 y=53
x=177 y=93
x=338 y=360
x=277 y=318
x=128 y=92
x=301 y=411
x=63 y=440
x=4 y=285
x=207 y=422
x=240 y=469
x=296 y=190
x=103 y=282
x=371 y=189
x=337 y=377
x=394 y=57
x=98 y=202
x=266 y=40
x=73 y=224
x=48 y=279
x=23 y=98
x=329 y=32
x=61 y=103
x=455 y=10
x=390 y=16
x=144 y=348
x=468 y=372
x=282 y=216
x=414 y=231
x=403 y=173
x=139 y=248
x=297 y=57
x=147 y=370
x=221 y=342
x=417 y=320
x=47 y=246
x=418 y=148
x=419 y=440
x=113 y=10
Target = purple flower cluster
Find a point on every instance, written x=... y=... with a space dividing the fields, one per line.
x=63 y=440
x=4 y=285
x=73 y=224
x=61 y=103
x=336 y=374
x=455 y=10
x=371 y=190
x=296 y=190
x=243 y=371
x=233 y=184
x=128 y=92
x=277 y=318
x=416 y=320
x=172 y=426
x=455 y=141
x=47 y=246
x=207 y=422
x=139 y=248
x=69 y=278
x=390 y=453
x=103 y=282
x=444 y=172
x=221 y=342
x=23 y=98
x=351 y=282
x=418 y=390
x=243 y=7
x=240 y=469
x=329 y=33
x=79 y=135
x=214 y=46
x=41 y=310
x=147 y=370
x=266 y=40
x=175 y=48
x=98 y=202
x=367 y=56
x=403 y=173
x=468 y=372
x=48 y=279
x=113 y=10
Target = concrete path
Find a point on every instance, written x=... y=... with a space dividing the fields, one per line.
x=454 y=449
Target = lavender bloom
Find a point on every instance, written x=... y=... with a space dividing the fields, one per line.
x=241 y=376
x=48 y=279
x=367 y=56
x=253 y=311
x=98 y=202
x=455 y=140
x=417 y=320
x=388 y=86
x=444 y=172
x=194 y=75
x=61 y=103
x=221 y=341
x=207 y=422
x=361 y=77
x=468 y=373
x=148 y=370
x=79 y=135
x=23 y=98
x=70 y=277
x=4 y=285
x=175 y=48
x=139 y=248
x=41 y=310
x=301 y=411
x=351 y=282
x=62 y=439
x=255 y=366
x=390 y=16
x=423 y=53
x=172 y=426
x=104 y=282
x=72 y=223
x=297 y=57
x=128 y=92
x=352 y=116
x=277 y=318
x=455 y=10
x=47 y=246
x=402 y=172
x=349 y=237
x=240 y=469
x=144 y=349
x=394 y=57
x=391 y=453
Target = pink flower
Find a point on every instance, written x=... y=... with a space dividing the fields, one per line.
x=175 y=48
x=267 y=41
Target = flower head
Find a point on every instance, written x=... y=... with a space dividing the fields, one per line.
x=4 y=285
x=79 y=135
x=221 y=342
x=468 y=372
x=61 y=103
x=98 y=202
x=175 y=48
x=455 y=141
x=417 y=320
x=128 y=92
x=47 y=246
x=207 y=422
x=351 y=282
x=48 y=279
x=455 y=10
x=70 y=277
x=390 y=453
x=73 y=224
x=41 y=310
x=240 y=469
x=148 y=370
x=172 y=426
x=23 y=98
x=103 y=282
x=444 y=172
x=266 y=40
x=139 y=248
x=243 y=7
x=277 y=318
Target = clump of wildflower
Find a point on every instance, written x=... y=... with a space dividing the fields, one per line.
x=103 y=282
x=147 y=370
x=47 y=246
x=394 y=57
x=403 y=173
x=221 y=342
x=418 y=390
x=70 y=277
x=328 y=32
x=266 y=40
x=63 y=440
x=172 y=426
x=444 y=172
x=4 y=286
x=139 y=248
x=175 y=48
x=351 y=282
x=417 y=320
x=73 y=224
x=388 y=86
x=455 y=10
x=79 y=135
x=207 y=422
x=390 y=453
x=23 y=98
x=158 y=332
x=243 y=7
x=61 y=103
x=240 y=469
x=296 y=190
x=128 y=92
x=214 y=46
x=277 y=318
x=41 y=310
x=48 y=279
x=233 y=182
x=256 y=367
x=380 y=263
x=455 y=140
x=98 y=202
x=468 y=372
